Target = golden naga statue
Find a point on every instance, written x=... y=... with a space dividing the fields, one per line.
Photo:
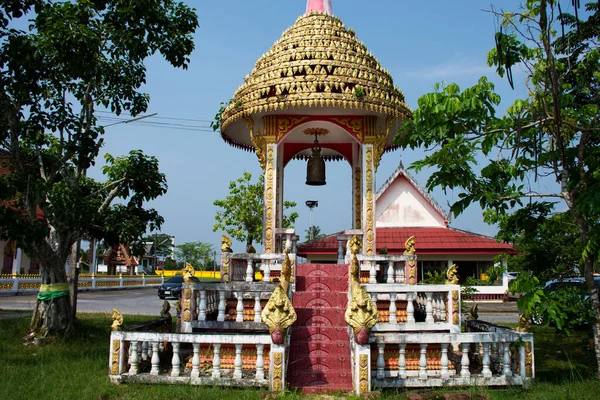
x=473 y=312
x=361 y=313
x=409 y=245
x=226 y=244
x=452 y=275
x=117 y=318
x=278 y=314
x=164 y=313
x=523 y=325
x=286 y=271
x=188 y=272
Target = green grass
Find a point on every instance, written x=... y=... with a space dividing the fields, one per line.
x=76 y=367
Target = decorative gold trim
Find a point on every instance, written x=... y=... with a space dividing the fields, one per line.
x=412 y=265
x=370 y=200
x=357 y=198
x=226 y=244
x=284 y=124
x=286 y=271
x=187 y=305
x=279 y=313
x=452 y=275
x=356 y=124
x=188 y=273
x=117 y=320
x=455 y=307
x=361 y=313
x=277 y=371
x=116 y=355
x=363 y=375
x=269 y=196
x=528 y=359
x=316 y=131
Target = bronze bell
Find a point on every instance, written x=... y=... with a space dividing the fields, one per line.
x=315 y=169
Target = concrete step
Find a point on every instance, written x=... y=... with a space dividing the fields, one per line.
x=320 y=299
x=320 y=333
x=321 y=283
x=327 y=348
x=307 y=378
x=319 y=316
x=313 y=363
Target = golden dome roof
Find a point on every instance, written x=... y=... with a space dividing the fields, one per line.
x=317 y=63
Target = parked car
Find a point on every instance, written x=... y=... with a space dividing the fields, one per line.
x=171 y=289
x=512 y=276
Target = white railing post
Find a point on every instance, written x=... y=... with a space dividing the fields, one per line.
x=260 y=362
x=410 y=309
x=423 y=362
x=144 y=350
x=390 y=272
x=239 y=316
x=402 y=361
x=221 y=309
x=237 y=363
x=257 y=308
x=15 y=283
x=267 y=271
x=372 y=272
x=143 y=279
x=93 y=278
x=380 y=360
x=444 y=361
x=393 y=319
x=121 y=280
x=464 y=361
x=506 y=371
x=176 y=361
x=487 y=372
x=362 y=369
x=429 y=309
x=216 y=372
x=196 y=361
x=400 y=278
x=134 y=358
x=277 y=370
x=155 y=359
x=202 y=308
x=249 y=271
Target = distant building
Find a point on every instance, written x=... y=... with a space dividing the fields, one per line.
x=404 y=209
x=119 y=260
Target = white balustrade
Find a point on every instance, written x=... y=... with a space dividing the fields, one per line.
x=237 y=364
x=423 y=362
x=402 y=361
x=487 y=372
x=257 y=308
x=133 y=359
x=393 y=318
x=203 y=306
x=196 y=361
x=176 y=361
x=260 y=361
x=239 y=315
x=216 y=372
x=464 y=361
x=444 y=361
x=380 y=360
x=155 y=359
x=221 y=309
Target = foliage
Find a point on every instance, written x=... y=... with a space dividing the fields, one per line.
x=198 y=254
x=59 y=62
x=241 y=214
x=552 y=133
x=162 y=243
x=314 y=233
x=171 y=265
x=435 y=277
x=494 y=273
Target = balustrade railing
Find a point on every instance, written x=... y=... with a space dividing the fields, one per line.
x=198 y=359
x=32 y=282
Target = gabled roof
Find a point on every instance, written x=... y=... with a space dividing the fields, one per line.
x=401 y=171
x=427 y=241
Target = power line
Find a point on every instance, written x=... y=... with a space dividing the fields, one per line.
x=156 y=117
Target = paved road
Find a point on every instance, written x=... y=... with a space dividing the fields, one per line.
x=146 y=302
x=136 y=301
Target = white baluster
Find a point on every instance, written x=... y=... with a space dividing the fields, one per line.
x=202 y=311
x=410 y=309
x=487 y=372
x=249 y=271
x=390 y=272
x=221 y=315
x=423 y=362
x=400 y=274
x=506 y=370
x=267 y=271
x=134 y=358
x=216 y=372
x=155 y=359
x=144 y=350
x=429 y=309
x=257 y=308
x=444 y=361
x=260 y=362
x=393 y=308
x=402 y=362
x=464 y=361
x=196 y=361
x=372 y=272
x=374 y=299
x=380 y=361
x=175 y=363
x=237 y=364
x=522 y=361
x=239 y=317
x=443 y=315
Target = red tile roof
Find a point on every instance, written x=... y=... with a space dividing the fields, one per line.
x=427 y=241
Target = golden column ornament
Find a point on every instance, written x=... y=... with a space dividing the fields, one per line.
x=225 y=260
x=368 y=191
x=363 y=378
x=270 y=198
x=410 y=250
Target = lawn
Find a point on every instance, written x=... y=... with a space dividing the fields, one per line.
x=77 y=368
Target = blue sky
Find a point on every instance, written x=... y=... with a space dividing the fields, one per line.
x=419 y=42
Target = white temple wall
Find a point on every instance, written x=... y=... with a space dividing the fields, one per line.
x=402 y=206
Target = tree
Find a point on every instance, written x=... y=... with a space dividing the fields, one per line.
x=76 y=56
x=198 y=254
x=162 y=243
x=552 y=133
x=241 y=214
x=314 y=233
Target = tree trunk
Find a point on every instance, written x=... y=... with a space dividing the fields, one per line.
x=53 y=315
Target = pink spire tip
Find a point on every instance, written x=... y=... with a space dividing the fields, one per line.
x=319 y=5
